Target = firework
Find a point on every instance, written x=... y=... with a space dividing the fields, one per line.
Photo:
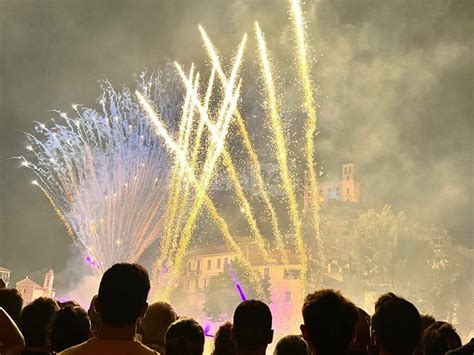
x=105 y=173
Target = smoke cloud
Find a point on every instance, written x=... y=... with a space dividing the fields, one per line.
x=394 y=85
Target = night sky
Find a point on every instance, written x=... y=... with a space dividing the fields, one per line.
x=395 y=79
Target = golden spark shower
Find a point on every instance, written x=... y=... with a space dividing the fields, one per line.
x=128 y=177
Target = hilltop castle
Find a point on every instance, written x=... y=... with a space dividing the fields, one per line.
x=346 y=189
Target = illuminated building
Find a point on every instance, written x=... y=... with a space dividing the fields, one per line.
x=30 y=290
x=285 y=284
x=346 y=188
x=5 y=275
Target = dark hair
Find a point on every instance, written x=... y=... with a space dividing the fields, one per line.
x=184 y=337
x=426 y=321
x=439 y=338
x=396 y=324
x=362 y=341
x=123 y=292
x=71 y=326
x=252 y=324
x=11 y=301
x=36 y=320
x=223 y=343
x=291 y=345
x=330 y=320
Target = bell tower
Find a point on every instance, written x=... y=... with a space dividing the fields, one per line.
x=48 y=281
x=349 y=185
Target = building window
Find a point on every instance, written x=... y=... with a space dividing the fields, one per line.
x=204 y=282
x=209 y=264
x=187 y=284
x=226 y=261
x=196 y=284
x=189 y=266
x=219 y=263
x=288 y=296
x=198 y=265
x=345 y=170
x=349 y=170
x=437 y=241
x=291 y=274
x=348 y=190
x=348 y=177
x=337 y=189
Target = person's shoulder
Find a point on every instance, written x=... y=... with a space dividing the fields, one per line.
x=76 y=349
x=145 y=350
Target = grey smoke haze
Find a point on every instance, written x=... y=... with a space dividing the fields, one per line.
x=395 y=78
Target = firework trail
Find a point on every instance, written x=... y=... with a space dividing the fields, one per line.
x=105 y=172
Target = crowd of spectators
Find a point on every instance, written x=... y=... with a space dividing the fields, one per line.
x=120 y=321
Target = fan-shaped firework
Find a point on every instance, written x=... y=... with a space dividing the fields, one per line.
x=105 y=173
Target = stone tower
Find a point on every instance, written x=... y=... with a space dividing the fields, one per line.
x=48 y=281
x=349 y=184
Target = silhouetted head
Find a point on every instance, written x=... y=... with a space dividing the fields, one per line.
x=71 y=326
x=439 y=338
x=184 y=337
x=12 y=302
x=223 y=342
x=396 y=325
x=292 y=345
x=329 y=322
x=123 y=292
x=154 y=325
x=362 y=340
x=426 y=321
x=252 y=326
x=36 y=321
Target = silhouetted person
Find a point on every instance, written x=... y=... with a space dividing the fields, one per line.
x=158 y=318
x=223 y=343
x=362 y=341
x=396 y=325
x=426 y=321
x=12 y=302
x=439 y=338
x=329 y=322
x=71 y=327
x=184 y=337
x=121 y=302
x=36 y=321
x=2 y=284
x=69 y=303
x=292 y=345
x=252 y=327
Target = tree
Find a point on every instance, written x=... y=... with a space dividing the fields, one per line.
x=392 y=250
x=221 y=294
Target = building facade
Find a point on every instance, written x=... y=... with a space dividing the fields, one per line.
x=284 y=278
x=346 y=188
x=5 y=275
x=30 y=290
